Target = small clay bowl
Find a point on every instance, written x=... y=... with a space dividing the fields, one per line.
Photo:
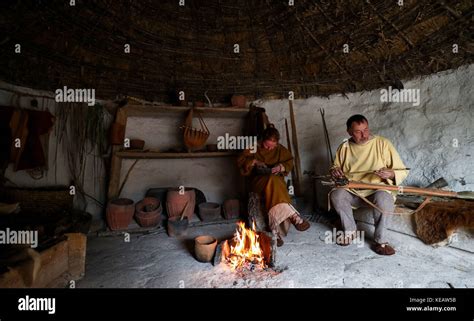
x=210 y=211
x=137 y=144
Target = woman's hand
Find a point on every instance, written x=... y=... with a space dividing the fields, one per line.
x=257 y=163
x=278 y=169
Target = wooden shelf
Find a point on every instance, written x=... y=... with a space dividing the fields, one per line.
x=157 y=111
x=155 y=155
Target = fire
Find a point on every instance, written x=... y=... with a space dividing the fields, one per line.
x=246 y=251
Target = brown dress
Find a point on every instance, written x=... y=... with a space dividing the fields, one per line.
x=271 y=187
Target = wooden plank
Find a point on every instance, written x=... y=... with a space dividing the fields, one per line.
x=159 y=111
x=155 y=155
x=77 y=254
x=116 y=162
x=23 y=266
x=54 y=262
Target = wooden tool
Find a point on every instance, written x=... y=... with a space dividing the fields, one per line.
x=326 y=137
x=367 y=172
x=293 y=173
x=362 y=172
x=294 y=139
x=410 y=190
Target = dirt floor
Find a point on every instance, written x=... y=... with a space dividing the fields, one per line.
x=158 y=261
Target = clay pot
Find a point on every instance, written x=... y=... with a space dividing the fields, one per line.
x=210 y=211
x=119 y=213
x=117 y=134
x=148 y=218
x=239 y=101
x=177 y=227
x=137 y=144
x=204 y=248
x=160 y=194
x=231 y=209
x=177 y=204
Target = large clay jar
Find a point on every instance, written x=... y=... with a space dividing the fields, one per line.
x=204 y=248
x=119 y=213
x=180 y=202
x=239 y=101
x=148 y=212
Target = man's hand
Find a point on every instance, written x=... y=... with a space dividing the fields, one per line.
x=385 y=173
x=336 y=173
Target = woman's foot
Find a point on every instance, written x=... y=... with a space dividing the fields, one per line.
x=299 y=223
x=280 y=242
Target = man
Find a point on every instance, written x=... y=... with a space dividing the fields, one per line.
x=376 y=156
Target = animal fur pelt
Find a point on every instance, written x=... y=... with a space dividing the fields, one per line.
x=437 y=222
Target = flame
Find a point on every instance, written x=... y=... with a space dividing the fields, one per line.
x=246 y=250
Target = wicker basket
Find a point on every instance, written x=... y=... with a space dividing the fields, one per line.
x=194 y=138
x=43 y=200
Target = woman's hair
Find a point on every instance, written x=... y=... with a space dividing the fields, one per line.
x=270 y=133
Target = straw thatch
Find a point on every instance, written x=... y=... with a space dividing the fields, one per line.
x=191 y=48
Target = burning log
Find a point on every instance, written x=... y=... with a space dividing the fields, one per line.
x=247 y=250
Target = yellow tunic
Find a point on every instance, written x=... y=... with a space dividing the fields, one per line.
x=377 y=153
x=273 y=187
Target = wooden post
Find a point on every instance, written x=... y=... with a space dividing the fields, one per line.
x=116 y=165
x=293 y=170
x=294 y=138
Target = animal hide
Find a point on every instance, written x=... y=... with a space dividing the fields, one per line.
x=438 y=221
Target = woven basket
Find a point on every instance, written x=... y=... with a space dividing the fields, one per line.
x=43 y=200
x=194 y=138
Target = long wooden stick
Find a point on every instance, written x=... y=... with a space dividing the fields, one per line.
x=293 y=173
x=367 y=172
x=294 y=139
x=402 y=189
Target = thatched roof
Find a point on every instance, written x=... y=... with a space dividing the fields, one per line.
x=191 y=48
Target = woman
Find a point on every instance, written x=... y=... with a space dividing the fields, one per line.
x=266 y=169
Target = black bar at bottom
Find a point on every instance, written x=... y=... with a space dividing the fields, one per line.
x=237 y=304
